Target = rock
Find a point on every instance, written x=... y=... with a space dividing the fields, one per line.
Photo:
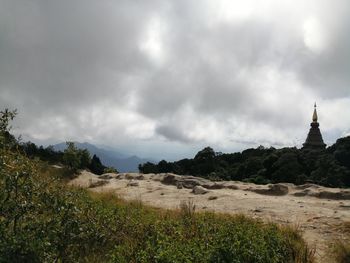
x=213 y=185
x=305 y=186
x=133 y=183
x=212 y=198
x=171 y=179
x=199 y=190
x=341 y=195
x=273 y=189
x=232 y=186
x=190 y=182
x=106 y=176
x=179 y=185
x=156 y=177
x=97 y=183
x=302 y=193
x=140 y=177
x=134 y=176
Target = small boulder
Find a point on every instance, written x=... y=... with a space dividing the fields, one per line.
x=133 y=183
x=232 y=186
x=199 y=190
x=341 y=195
x=170 y=179
x=273 y=189
x=179 y=185
x=106 y=176
x=213 y=186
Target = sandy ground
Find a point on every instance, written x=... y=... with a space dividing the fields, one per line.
x=318 y=218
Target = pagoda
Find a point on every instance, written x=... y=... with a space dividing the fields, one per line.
x=314 y=138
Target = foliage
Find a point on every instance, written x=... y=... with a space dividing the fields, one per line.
x=329 y=167
x=210 y=238
x=341 y=252
x=96 y=165
x=6 y=116
x=110 y=170
x=71 y=156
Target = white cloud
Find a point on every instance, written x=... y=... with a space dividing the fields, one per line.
x=314 y=35
x=152 y=41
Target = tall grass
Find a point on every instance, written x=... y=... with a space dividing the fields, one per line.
x=340 y=250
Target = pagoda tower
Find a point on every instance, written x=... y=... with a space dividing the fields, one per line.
x=314 y=138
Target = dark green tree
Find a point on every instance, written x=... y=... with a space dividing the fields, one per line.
x=96 y=165
x=71 y=157
x=85 y=158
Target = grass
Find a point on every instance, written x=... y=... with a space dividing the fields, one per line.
x=340 y=250
x=187 y=236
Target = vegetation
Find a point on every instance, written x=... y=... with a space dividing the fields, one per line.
x=74 y=158
x=44 y=220
x=340 y=251
x=330 y=167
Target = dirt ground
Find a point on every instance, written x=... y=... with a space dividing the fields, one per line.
x=317 y=211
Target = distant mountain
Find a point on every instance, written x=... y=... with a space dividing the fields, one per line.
x=122 y=162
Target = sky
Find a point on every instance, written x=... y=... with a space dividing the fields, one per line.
x=165 y=78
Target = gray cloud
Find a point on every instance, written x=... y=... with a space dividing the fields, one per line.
x=138 y=72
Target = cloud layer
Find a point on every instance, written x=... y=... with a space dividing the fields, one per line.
x=165 y=78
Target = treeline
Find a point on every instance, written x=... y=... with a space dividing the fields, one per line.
x=329 y=167
x=72 y=157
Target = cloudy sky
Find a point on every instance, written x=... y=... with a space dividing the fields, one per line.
x=162 y=78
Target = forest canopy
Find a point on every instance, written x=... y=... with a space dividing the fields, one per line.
x=329 y=167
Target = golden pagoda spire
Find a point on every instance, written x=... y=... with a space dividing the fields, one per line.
x=314 y=116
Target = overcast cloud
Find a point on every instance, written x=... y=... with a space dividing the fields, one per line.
x=164 y=78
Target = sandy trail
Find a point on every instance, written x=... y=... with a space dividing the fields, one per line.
x=318 y=218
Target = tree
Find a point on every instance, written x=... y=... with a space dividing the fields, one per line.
x=164 y=167
x=6 y=117
x=96 y=165
x=71 y=157
x=85 y=158
x=287 y=168
x=342 y=151
x=148 y=168
x=205 y=155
